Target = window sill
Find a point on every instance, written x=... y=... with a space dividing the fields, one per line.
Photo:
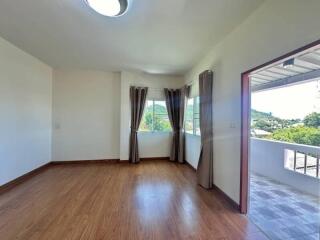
x=193 y=135
x=149 y=132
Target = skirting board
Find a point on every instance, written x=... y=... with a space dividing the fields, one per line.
x=222 y=193
x=105 y=161
x=227 y=198
x=149 y=158
x=23 y=178
x=154 y=158
x=86 y=161
x=26 y=176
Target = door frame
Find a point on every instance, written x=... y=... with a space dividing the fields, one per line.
x=245 y=123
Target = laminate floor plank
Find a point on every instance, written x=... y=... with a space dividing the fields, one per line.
x=156 y=200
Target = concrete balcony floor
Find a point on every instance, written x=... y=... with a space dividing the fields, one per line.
x=282 y=212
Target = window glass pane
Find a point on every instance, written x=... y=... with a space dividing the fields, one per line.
x=196 y=105
x=161 y=119
x=196 y=116
x=192 y=116
x=189 y=112
x=147 y=118
x=189 y=126
x=197 y=126
x=160 y=107
x=189 y=116
x=161 y=123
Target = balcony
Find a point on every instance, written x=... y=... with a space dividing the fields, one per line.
x=285 y=189
x=295 y=165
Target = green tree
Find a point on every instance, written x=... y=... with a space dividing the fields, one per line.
x=146 y=122
x=263 y=124
x=158 y=122
x=161 y=124
x=161 y=121
x=312 y=120
x=300 y=135
x=269 y=123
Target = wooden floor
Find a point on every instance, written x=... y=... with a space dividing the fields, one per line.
x=150 y=200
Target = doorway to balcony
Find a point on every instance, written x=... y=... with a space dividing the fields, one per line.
x=280 y=176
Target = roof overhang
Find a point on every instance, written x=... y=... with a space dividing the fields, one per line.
x=302 y=67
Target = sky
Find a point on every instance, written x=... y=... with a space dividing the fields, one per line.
x=290 y=102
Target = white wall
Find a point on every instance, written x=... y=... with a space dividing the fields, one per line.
x=267 y=158
x=154 y=144
x=86 y=115
x=275 y=28
x=25 y=112
x=150 y=144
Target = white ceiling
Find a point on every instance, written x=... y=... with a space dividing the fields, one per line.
x=155 y=36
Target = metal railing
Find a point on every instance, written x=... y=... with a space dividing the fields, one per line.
x=301 y=163
x=293 y=164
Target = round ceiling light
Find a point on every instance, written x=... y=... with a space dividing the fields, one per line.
x=110 y=8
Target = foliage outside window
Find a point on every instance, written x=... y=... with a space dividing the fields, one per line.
x=155 y=117
x=192 y=116
x=305 y=131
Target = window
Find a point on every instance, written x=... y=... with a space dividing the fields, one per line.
x=155 y=117
x=192 y=117
x=303 y=163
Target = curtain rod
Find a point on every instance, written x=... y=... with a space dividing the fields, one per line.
x=152 y=88
x=157 y=88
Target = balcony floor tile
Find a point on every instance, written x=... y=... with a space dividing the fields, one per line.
x=283 y=212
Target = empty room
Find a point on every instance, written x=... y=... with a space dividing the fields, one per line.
x=160 y=119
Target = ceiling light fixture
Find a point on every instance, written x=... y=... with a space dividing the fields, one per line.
x=110 y=8
x=288 y=63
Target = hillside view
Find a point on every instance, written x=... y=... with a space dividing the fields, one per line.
x=155 y=118
x=301 y=131
x=263 y=125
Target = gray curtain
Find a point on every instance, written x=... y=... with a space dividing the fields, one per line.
x=176 y=103
x=138 y=97
x=205 y=165
x=183 y=105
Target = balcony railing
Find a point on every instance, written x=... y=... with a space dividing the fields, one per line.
x=302 y=162
x=292 y=164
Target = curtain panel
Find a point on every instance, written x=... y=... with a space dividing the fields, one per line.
x=138 y=96
x=176 y=100
x=205 y=165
